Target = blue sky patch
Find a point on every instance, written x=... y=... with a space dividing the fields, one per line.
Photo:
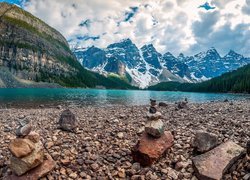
x=207 y=6
x=130 y=14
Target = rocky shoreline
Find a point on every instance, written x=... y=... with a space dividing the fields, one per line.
x=100 y=148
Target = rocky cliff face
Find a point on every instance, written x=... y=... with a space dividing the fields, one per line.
x=31 y=49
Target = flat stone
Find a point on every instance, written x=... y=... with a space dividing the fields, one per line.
x=33 y=136
x=38 y=172
x=152 y=102
x=23 y=130
x=155 y=116
x=21 y=147
x=155 y=128
x=149 y=149
x=204 y=141
x=67 y=121
x=162 y=104
x=213 y=164
x=21 y=165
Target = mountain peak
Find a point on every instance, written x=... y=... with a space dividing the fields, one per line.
x=127 y=40
x=122 y=43
x=181 y=56
x=232 y=53
x=149 y=47
x=212 y=52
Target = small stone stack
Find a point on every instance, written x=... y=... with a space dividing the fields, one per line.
x=154 y=141
x=154 y=126
x=28 y=160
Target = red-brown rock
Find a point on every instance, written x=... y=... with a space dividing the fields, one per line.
x=38 y=172
x=149 y=149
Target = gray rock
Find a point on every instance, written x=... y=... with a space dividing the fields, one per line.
x=23 y=130
x=204 y=141
x=182 y=104
x=162 y=104
x=67 y=121
x=152 y=110
x=213 y=164
x=155 y=128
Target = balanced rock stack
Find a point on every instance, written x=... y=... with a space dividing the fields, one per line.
x=154 y=140
x=28 y=160
x=154 y=125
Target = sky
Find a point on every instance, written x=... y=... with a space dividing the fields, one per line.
x=176 y=26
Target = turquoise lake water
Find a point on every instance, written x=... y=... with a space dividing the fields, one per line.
x=83 y=97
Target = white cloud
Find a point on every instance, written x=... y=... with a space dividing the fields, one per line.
x=175 y=26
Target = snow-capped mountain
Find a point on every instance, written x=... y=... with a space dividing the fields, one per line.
x=146 y=66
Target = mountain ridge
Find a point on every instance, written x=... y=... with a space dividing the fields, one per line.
x=146 y=66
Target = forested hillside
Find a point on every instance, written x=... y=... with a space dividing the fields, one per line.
x=237 y=81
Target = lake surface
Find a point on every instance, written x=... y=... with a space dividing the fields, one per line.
x=84 y=97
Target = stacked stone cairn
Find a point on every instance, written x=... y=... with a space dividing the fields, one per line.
x=154 y=140
x=154 y=125
x=28 y=160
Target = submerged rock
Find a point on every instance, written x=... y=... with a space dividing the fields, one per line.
x=67 y=121
x=155 y=128
x=213 y=164
x=149 y=149
x=204 y=141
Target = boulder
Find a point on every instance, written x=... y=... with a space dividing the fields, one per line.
x=67 y=121
x=155 y=116
x=149 y=149
x=204 y=141
x=21 y=165
x=38 y=172
x=162 y=104
x=213 y=164
x=21 y=147
x=23 y=130
x=155 y=128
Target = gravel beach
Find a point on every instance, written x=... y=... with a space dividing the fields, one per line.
x=101 y=146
